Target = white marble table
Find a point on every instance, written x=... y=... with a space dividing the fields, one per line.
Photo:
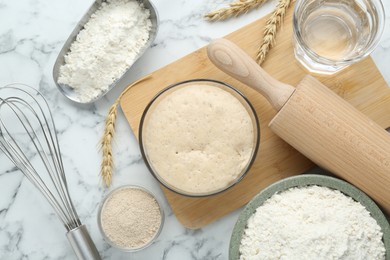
x=31 y=35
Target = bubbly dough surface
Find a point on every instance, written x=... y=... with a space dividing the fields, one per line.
x=199 y=138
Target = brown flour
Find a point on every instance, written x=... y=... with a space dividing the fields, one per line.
x=130 y=218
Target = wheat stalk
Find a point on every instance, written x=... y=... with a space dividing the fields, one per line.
x=107 y=164
x=235 y=9
x=271 y=29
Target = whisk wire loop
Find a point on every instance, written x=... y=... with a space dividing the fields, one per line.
x=39 y=126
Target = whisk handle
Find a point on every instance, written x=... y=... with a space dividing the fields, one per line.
x=82 y=244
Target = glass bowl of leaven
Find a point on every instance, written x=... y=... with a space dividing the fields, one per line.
x=199 y=137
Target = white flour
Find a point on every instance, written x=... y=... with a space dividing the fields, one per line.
x=106 y=47
x=312 y=223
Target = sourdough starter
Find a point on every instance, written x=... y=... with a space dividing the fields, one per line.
x=199 y=139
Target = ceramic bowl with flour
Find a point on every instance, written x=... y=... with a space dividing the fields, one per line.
x=310 y=216
x=199 y=137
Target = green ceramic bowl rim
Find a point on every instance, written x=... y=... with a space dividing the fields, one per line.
x=300 y=181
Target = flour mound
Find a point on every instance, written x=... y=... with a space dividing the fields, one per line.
x=105 y=48
x=312 y=223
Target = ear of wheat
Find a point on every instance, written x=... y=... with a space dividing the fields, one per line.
x=107 y=164
x=235 y=9
x=271 y=28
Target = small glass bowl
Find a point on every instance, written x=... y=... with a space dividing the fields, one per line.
x=168 y=90
x=108 y=240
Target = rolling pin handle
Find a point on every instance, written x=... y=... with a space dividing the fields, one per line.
x=232 y=60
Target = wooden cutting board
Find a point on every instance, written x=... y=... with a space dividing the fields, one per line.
x=361 y=84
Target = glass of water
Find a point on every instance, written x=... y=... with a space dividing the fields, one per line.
x=330 y=35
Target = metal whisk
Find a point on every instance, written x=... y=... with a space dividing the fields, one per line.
x=28 y=138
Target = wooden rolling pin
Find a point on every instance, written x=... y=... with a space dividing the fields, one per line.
x=318 y=123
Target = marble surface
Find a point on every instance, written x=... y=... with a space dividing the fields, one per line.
x=31 y=35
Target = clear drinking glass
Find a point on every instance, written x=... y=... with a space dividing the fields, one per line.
x=330 y=35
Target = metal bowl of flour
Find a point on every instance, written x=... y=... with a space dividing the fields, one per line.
x=302 y=181
x=68 y=91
